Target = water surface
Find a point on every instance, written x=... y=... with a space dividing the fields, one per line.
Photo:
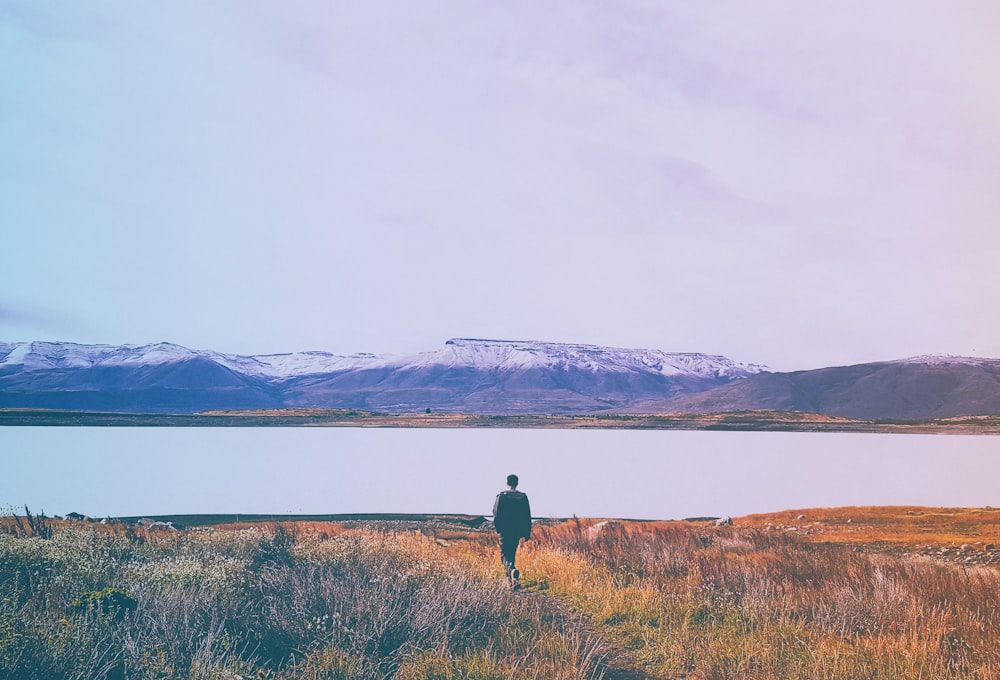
x=607 y=473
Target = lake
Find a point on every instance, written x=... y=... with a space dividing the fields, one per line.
x=606 y=473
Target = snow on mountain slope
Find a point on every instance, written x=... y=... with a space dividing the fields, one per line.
x=55 y=355
x=946 y=359
x=520 y=355
x=308 y=363
x=503 y=355
x=34 y=356
x=41 y=356
x=65 y=355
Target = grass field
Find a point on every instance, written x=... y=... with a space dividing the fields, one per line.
x=824 y=593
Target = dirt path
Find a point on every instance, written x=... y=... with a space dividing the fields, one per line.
x=613 y=661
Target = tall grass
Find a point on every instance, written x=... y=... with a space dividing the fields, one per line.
x=270 y=603
x=670 y=600
x=725 y=603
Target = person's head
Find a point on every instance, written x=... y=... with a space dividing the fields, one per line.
x=512 y=481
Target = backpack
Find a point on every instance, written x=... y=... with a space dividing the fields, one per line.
x=512 y=516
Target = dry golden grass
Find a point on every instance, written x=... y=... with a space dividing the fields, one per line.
x=299 y=528
x=903 y=526
x=700 y=601
x=616 y=600
x=276 y=601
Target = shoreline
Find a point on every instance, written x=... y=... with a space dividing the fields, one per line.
x=745 y=421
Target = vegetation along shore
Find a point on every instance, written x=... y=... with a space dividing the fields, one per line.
x=843 y=593
x=759 y=421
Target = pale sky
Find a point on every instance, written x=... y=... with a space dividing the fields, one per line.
x=786 y=183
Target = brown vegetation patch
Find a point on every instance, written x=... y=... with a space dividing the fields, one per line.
x=604 y=599
x=965 y=535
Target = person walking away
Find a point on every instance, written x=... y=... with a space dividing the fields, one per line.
x=512 y=520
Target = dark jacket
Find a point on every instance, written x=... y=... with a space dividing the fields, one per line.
x=512 y=514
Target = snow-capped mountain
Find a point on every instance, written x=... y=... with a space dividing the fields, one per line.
x=503 y=355
x=510 y=377
x=33 y=356
x=483 y=377
x=488 y=376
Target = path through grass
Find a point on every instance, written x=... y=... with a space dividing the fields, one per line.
x=619 y=602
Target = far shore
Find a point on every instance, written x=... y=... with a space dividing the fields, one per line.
x=750 y=421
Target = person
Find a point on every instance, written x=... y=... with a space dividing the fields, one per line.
x=512 y=520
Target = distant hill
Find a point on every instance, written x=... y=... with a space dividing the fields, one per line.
x=483 y=377
x=910 y=389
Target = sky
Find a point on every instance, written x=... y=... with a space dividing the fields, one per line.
x=791 y=184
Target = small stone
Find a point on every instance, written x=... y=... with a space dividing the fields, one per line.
x=601 y=528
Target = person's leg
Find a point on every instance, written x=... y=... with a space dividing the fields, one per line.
x=508 y=553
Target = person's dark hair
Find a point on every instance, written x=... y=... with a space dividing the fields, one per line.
x=512 y=480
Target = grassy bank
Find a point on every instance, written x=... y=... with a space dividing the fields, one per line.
x=619 y=600
x=745 y=603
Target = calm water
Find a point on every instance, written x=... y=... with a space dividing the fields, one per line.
x=640 y=474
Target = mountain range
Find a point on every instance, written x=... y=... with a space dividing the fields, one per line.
x=484 y=377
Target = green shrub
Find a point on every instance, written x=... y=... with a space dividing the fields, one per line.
x=113 y=602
